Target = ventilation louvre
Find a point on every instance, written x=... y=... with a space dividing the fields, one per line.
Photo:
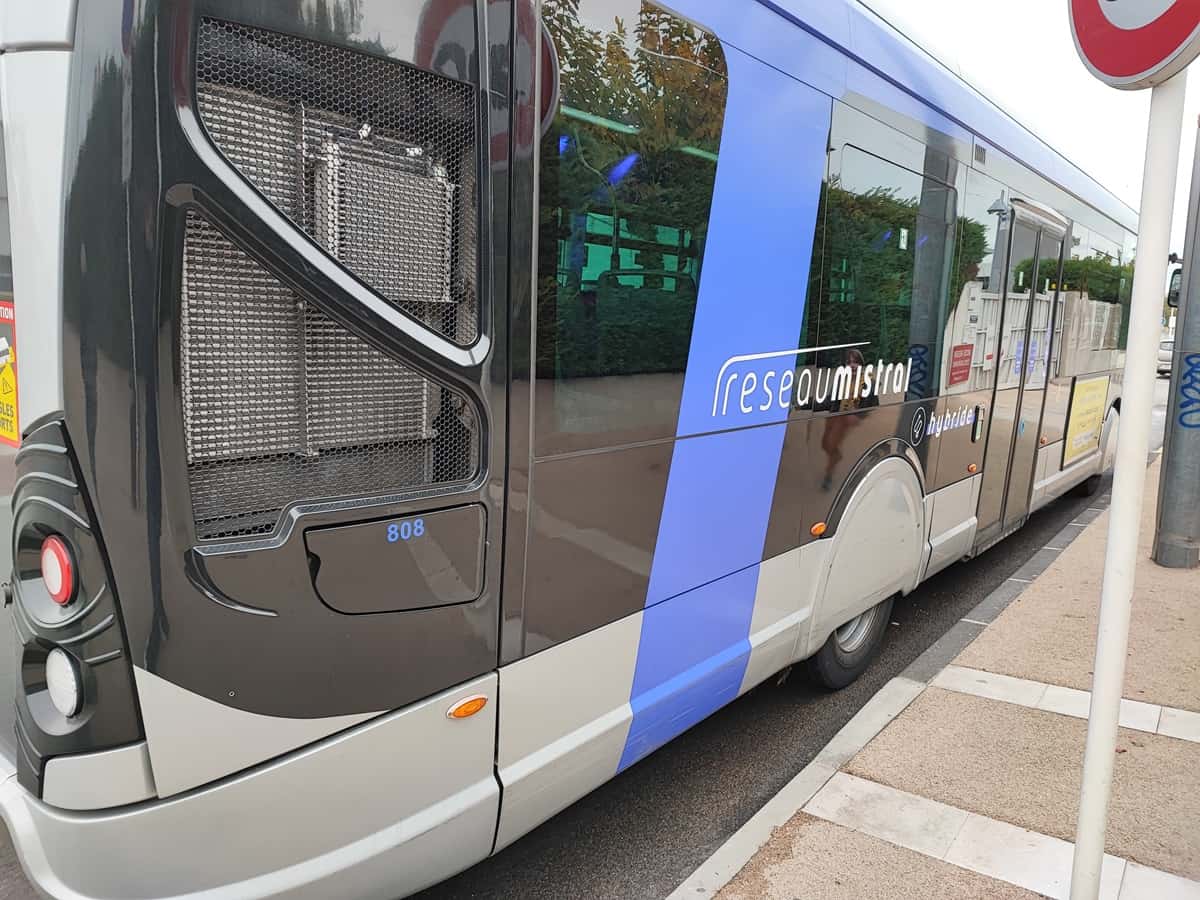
x=377 y=161
x=282 y=404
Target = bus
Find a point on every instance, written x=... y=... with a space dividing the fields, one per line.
x=430 y=408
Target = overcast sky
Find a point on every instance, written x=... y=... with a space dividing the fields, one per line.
x=1020 y=54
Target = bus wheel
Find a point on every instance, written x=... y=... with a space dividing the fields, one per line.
x=850 y=648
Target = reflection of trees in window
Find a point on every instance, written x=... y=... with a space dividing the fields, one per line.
x=1099 y=277
x=972 y=249
x=871 y=244
x=870 y=265
x=627 y=177
x=1087 y=283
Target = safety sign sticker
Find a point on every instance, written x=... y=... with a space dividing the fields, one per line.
x=1085 y=422
x=10 y=429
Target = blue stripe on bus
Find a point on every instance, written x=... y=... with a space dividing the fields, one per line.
x=691 y=660
x=694 y=643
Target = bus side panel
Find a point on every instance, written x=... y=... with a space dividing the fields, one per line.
x=566 y=712
x=565 y=716
x=695 y=646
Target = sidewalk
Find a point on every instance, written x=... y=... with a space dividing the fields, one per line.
x=962 y=780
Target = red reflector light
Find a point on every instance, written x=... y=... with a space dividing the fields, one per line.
x=58 y=571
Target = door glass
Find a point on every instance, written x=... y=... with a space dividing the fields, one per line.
x=1045 y=290
x=1014 y=338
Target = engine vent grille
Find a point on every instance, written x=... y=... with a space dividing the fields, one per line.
x=282 y=404
x=375 y=160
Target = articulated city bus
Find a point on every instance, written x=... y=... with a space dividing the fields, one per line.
x=429 y=408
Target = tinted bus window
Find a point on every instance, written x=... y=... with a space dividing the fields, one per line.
x=973 y=316
x=1096 y=286
x=1045 y=288
x=889 y=239
x=1014 y=345
x=626 y=185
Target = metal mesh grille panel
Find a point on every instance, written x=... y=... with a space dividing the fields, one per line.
x=282 y=404
x=375 y=160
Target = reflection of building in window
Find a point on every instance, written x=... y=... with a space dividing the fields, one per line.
x=1095 y=322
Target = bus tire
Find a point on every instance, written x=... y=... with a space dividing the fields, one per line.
x=850 y=649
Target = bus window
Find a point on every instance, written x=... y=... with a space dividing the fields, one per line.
x=627 y=173
x=973 y=316
x=1014 y=346
x=1045 y=288
x=1095 y=325
x=889 y=239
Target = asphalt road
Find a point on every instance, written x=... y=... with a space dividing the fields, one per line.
x=643 y=833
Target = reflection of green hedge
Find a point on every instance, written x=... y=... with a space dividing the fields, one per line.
x=1099 y=277
x=872 y=300
x=617 y=330
x=864 y=230
x=886 y=327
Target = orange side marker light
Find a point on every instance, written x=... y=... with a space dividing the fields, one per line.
x=467 y=707
x=819 y=529
x=972 y=468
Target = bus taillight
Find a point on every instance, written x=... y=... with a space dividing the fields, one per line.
x=58 y=570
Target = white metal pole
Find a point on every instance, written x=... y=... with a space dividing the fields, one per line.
x=1125 y=512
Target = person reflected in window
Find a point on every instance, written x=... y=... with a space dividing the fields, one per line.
x=838 y=426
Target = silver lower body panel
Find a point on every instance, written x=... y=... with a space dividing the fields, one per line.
x=364 y=814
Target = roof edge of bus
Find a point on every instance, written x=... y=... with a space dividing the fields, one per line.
x=953 y=68
x=1116 y=209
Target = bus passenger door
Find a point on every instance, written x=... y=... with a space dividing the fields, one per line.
x=1033 y=378
x=1025 y=334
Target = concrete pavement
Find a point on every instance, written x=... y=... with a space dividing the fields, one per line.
x=962 y=780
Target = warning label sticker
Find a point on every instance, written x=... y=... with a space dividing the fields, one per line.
x=10 y=429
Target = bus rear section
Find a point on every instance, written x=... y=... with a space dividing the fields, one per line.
x=443 y=404
x=261 y=256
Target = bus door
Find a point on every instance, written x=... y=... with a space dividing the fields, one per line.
x=1033 y=259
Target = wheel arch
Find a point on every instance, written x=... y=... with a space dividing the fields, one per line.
x=879 y=515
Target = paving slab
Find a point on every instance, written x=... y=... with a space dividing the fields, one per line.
x=1022 y=765
x=1048 y=633
x=814 y=859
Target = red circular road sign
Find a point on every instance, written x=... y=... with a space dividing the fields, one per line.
x=1136 y=43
